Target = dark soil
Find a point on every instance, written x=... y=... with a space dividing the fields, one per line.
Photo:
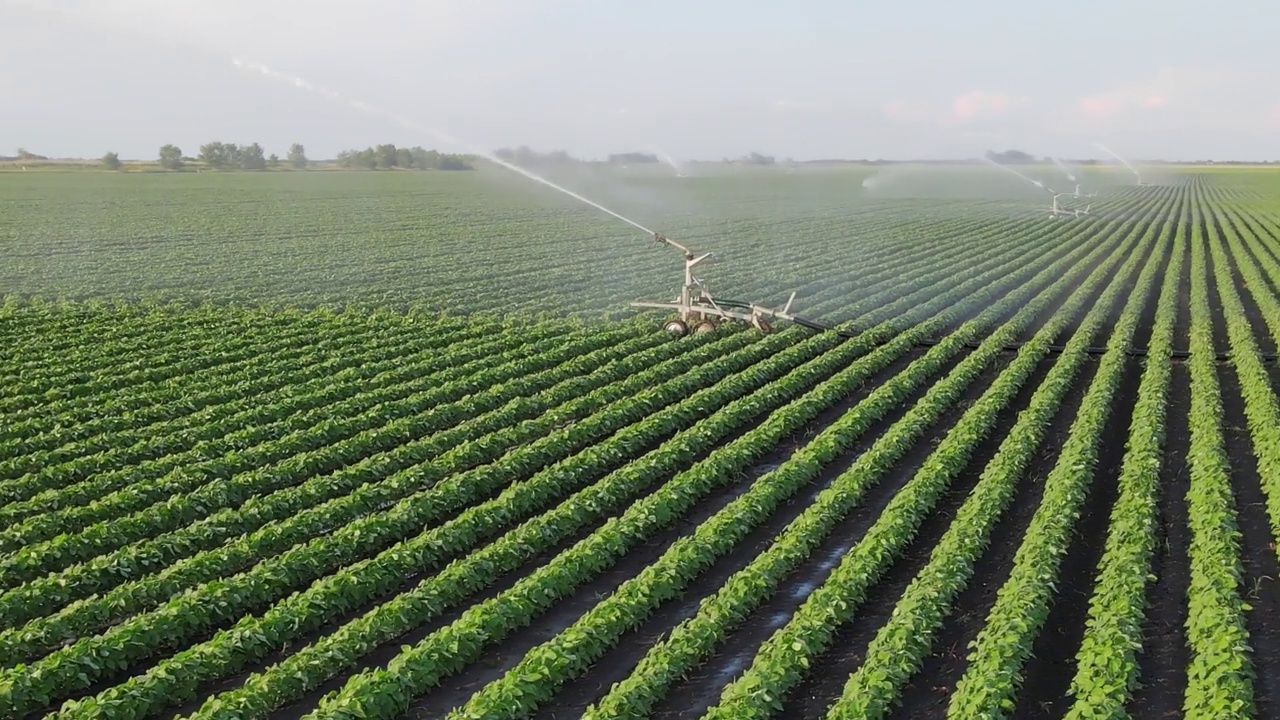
x=1260 y=586
x=702 y=689
x=1163 y=659
x=1261 y=333
x=385 y=653
x=818 y=691
x=1045 y=684
x=1046 y=677
x=928 y=694
x=513 y=648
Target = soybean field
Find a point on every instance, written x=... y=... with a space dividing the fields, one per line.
x=392 y=445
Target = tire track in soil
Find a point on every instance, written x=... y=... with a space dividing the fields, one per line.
x=1260 y=583
x=461 y=686
x=1045 y=684
x=698 y=692
x=458 y=688
x=1163 y=659
x=928 y=694
x=817 y=691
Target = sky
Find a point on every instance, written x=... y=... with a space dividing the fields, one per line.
x=697 y=79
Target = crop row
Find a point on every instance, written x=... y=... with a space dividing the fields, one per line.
x=414 y=670
x=785 y=656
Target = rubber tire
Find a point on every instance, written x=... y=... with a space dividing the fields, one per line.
x=705 y=326
x=676 y=327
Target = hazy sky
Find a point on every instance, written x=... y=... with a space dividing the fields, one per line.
x=697 y=78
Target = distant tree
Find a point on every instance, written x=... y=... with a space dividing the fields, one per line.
x=425 y=159
x=385 y=156
x=632 y=158
x=251 y=157
x=756 y=158
x=1011 y=157
x=273 y=160
x=298 y=156
x=389 y=156
x=171 y=157
x=217 y=154
x=111 y=161
x=220 y=155
x=524 y=155
x=453 y=162
x=358 y=159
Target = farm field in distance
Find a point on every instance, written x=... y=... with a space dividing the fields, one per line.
x=392 y=445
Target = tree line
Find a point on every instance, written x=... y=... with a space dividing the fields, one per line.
x=388 y=156
x=220 y=155
x=526 y=157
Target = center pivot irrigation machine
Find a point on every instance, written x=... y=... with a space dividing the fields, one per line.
x=697 y=311
x=1056 y=211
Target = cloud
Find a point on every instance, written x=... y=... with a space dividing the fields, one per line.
x=979 y=104
x=971 y=107
x=1120 y=101
x=1102 y=106
x=1186 y=89
x=904 y=110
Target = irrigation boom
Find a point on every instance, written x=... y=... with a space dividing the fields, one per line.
x=696 y=309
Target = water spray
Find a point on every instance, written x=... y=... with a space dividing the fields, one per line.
x=1055 y=210
x=1065 y=170
x=696 y=308
x=441 y=136
x=1071 y=177
x=671 y=161
x=1124 y=162
x=1010 y=170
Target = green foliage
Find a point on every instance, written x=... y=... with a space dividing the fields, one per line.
x=230 y=156
x=297 y=157
x=234 y=508
x=171 y=157
x=111 y=161
x=386 y=157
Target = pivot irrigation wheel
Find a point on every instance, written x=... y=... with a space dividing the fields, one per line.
x=676 y=327
x=705 y=326
x=763 y=326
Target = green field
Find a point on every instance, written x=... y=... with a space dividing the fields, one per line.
x=392 y=444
